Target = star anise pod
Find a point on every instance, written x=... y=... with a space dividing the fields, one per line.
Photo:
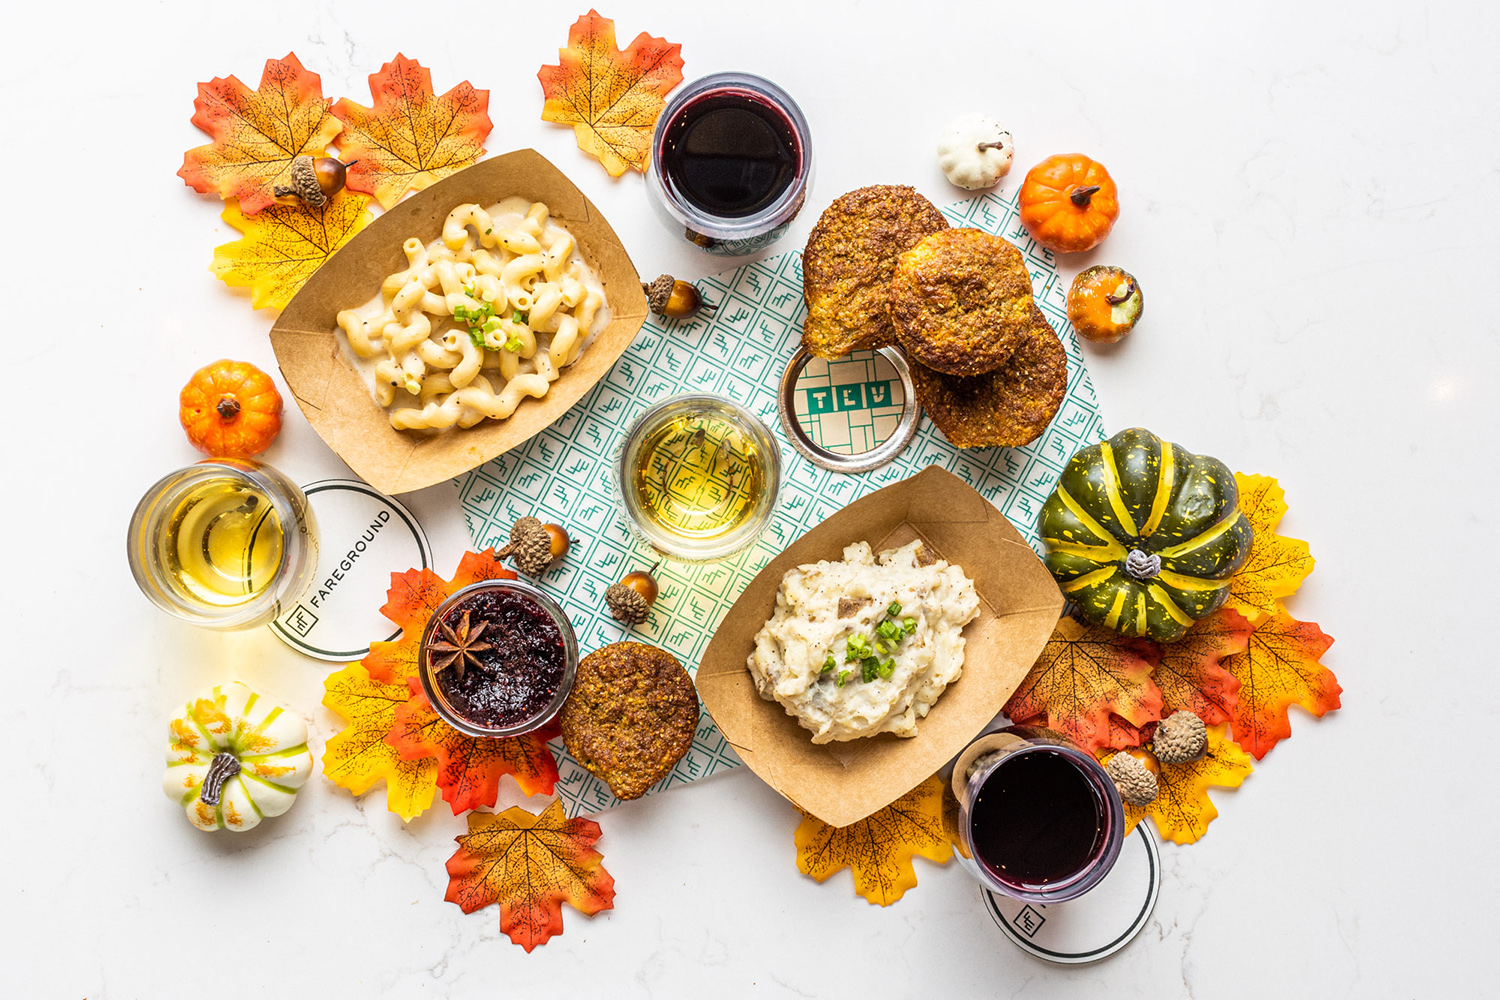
x=458 y=647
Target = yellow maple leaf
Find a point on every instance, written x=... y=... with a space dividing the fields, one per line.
x=359 y=756
x=284 y=244
x=1277 y=564
x=612 y=98
x=1183 y=810
x=879 y=848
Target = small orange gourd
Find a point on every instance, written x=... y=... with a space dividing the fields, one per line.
x=1069 y=203
x=230 y=409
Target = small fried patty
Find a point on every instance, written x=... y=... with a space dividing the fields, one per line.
x=960 y=301
x=630 y=716
x=1010 y=406
x=847 y=265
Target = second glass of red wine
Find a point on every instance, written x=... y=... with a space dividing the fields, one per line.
x=731 y=159
x=1039 y=819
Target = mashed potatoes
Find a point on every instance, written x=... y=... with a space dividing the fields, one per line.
x=865 y=645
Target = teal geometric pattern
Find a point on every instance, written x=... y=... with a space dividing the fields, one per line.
x=566 y=474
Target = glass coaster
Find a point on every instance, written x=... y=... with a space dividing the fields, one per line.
x=362 y=533
x=1093 y=926
x=852 y=414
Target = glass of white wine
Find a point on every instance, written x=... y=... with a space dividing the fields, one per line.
x=225 y=543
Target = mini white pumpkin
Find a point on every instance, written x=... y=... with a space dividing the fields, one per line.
x=235 y=758
x=975 y=152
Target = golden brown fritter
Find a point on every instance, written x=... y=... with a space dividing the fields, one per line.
x=960 y=301
x=630 y=716
x=1010 y=406
x=847 y=266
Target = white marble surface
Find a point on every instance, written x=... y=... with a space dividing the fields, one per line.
x=1310 y=199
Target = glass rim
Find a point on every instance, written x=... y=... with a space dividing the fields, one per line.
x=448 y=713
x=1113 y=818
x=666 y=544
x=721 y=227
x=150 y=509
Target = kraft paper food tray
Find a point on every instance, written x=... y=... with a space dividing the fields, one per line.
x=1019 y=604
x=335 y=398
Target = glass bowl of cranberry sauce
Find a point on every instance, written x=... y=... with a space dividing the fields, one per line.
x=497 y=659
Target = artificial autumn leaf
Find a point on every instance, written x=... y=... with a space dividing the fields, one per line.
x=1278 y=668
x=1084 y=674
x=611 y=98
x=1277 y=564
x=409 y=138
x=1183 y=810
x=530 y=865
x=469 y=769
x=878 y=849
x=359 y=756
x=285 y=244
x=1191 y=672
x=410 y=602
x=257 y=133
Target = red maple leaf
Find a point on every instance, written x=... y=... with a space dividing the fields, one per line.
x=1279 y=668
x=1191 y=671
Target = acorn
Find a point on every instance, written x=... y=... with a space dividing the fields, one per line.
x=1179 y=738
x=630 y=600
x=558 y=537
x=530 y=546
x=1133 y=780
x=314 y=181
x=674 y=299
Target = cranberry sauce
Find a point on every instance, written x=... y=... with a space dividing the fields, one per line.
x=1037 y=820
x=729 y=154
x=518 y=674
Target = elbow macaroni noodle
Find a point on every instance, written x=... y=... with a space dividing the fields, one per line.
x=478 y=320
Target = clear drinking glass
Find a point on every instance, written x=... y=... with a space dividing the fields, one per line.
x=697 y=476
x=728 y=228
x=226 y=543
x=1039 y=820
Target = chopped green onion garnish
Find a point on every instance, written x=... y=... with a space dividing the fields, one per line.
x=488 y=231
x=477 y=339
x=893 y=610
x=886 y=668
x=868 y=667
x=843 y=676
x=829 y=663
x=518 y=317
x=889 y=630
x=513 y=345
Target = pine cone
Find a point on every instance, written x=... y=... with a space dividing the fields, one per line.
x=1133 y=780
x=1179 y=738
x=626 y=604
x=530 y=546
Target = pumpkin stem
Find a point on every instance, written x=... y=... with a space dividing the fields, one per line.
x=1141 y=566
x=1115 y=299
x=1082 y=195
x=992 y=145
x=224 y=766
x=228 y=407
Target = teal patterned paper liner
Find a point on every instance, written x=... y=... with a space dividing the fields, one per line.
x=565 y=473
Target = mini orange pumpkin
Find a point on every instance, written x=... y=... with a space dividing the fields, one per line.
x=1069 y=203
x=230 y=409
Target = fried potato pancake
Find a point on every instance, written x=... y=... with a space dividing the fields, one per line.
x=960 y=301
x=1009 y=406
x=630 y=716
x=848 y=262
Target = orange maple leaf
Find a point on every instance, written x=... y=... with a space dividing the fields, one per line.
x=530 y=865
x=611 y=98
x=469 y=769
x=1277 y=565
x=878 y=849
x=410 y=602
x=283 y=245
x=1085 y=674
x=359 y=756
x=409 y=138
x=1191 y=672
x=1278 y=668
x=1183 y=810
x=257 y=133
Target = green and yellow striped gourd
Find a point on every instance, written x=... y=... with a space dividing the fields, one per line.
x=1143 y=535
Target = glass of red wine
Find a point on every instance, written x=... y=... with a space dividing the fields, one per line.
x=731 y=158
x=1039 y=820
